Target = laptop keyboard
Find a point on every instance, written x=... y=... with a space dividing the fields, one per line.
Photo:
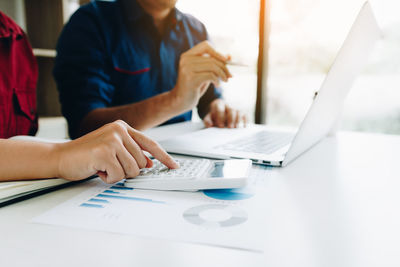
x=264 y=142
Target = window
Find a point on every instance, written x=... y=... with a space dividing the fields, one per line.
x=305 y=37
x=233 y=29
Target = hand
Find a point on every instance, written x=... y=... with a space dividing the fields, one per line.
x=198 y=67
x=114 y=152
x=221 y=115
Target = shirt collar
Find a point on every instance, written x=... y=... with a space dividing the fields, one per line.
x=8 y=27
x=177 y=15
x=133 y=11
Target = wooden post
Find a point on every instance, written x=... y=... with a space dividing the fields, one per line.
x=262 y=64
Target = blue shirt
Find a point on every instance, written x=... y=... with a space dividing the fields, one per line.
x=110 y=53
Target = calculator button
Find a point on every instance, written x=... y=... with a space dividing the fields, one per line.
x=189 y=169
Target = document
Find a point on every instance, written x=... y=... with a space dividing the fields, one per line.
x=231 y=218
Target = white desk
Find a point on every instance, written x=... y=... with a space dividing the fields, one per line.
x=337 y=205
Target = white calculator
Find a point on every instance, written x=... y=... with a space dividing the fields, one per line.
x=193 y=174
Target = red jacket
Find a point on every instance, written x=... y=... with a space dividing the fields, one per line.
x=18 y=78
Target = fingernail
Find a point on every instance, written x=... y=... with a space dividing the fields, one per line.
x=177 y=165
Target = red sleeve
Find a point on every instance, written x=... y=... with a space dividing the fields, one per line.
x=18 y=79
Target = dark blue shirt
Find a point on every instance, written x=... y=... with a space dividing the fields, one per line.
x=110 y=53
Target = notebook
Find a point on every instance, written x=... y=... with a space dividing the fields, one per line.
x=11 y=192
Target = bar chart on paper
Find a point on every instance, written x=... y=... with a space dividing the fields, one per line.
x=117 y=192
x=228 y=218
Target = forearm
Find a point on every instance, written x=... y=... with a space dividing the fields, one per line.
x=141 y=115
x=27 y=160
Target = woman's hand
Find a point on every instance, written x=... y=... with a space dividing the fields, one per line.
x=114 y=152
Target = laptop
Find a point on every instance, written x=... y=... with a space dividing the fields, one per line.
x=276 y=148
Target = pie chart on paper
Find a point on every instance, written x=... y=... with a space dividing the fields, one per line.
x=215 y=215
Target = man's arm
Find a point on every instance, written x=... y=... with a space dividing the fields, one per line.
x=196 y=72
x=142 y=115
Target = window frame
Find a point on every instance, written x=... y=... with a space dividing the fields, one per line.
x=262 y=63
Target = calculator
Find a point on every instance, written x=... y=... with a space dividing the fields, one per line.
x=193 y=174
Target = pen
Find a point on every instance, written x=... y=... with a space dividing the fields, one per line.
x=230 y=62
x=239 y=64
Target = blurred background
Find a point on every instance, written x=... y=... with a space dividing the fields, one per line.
x=304 y=37
x=300 y=40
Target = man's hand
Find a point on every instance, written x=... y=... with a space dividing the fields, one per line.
x=221 y=115
x=114 y=152
x=198 y=67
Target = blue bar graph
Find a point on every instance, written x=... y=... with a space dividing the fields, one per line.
x=99 y=200
x=88 y=205
x=129 y=198
x=121 y=187
x=111 y=192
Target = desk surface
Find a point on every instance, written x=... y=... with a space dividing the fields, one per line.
x=337 y=205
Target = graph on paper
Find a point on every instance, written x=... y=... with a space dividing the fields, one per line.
x=223 y=217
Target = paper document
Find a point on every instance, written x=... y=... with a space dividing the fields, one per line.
x=225 y=217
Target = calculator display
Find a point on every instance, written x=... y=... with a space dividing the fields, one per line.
x=229 y=169
x=218 y=170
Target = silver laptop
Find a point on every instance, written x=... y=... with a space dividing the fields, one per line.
x=268 y=147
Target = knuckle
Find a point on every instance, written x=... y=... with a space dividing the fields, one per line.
x=142 y=162
x=120 y=122
x=206 y=43
x=132 y=172
x=118 y=126
x=135 y=172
